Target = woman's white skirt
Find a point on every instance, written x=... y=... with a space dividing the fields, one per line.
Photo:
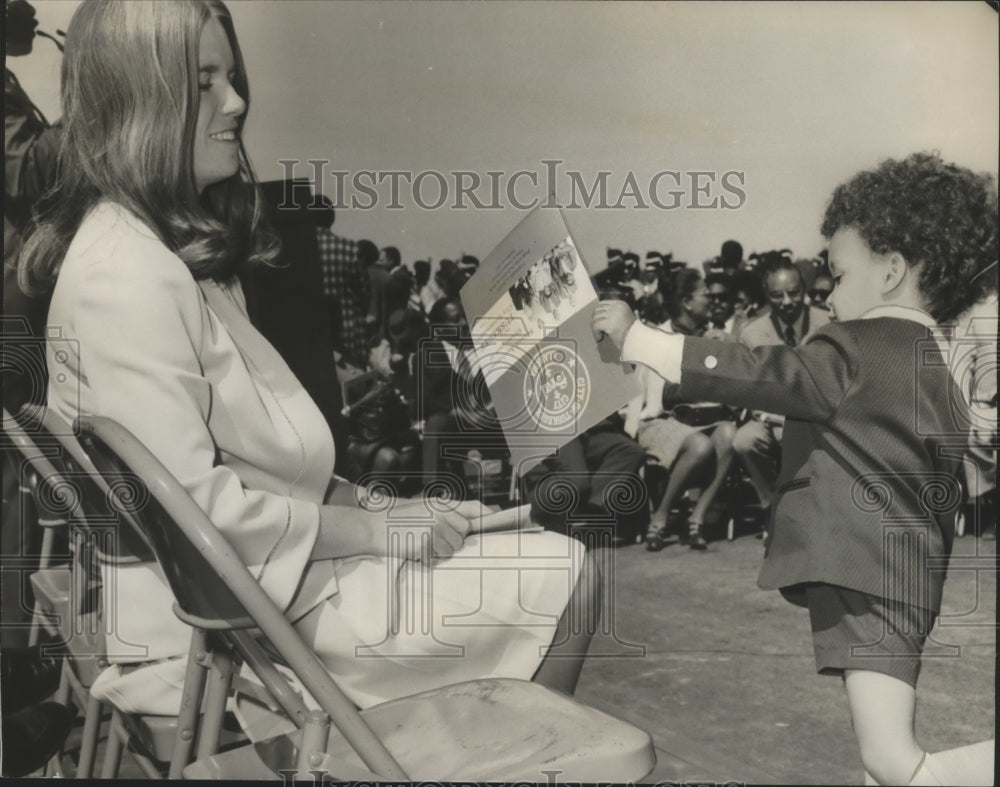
x=490 y=610
x=397 y=627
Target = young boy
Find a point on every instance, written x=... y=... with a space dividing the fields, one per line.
x=863 y=520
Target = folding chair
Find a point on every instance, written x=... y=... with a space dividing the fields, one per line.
x=35 y=483
x=105 y=534
x=64 y=593
x=507 y=729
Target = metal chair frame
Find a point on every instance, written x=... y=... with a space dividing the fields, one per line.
x=224 y=610
x=67 y=595
x=173 y=737
x=229 y=602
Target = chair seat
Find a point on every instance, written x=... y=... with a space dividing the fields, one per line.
x=476 y=731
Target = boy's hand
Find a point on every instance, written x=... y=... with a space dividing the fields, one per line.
x=612 y=319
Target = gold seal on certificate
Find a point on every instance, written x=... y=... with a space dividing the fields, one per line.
x=556 y=388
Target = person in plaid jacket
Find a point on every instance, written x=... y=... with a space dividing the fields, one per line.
x=346 y=286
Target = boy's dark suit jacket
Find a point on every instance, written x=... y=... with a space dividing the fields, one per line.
x=871 y=459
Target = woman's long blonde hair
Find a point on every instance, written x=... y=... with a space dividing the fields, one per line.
x=130 y=104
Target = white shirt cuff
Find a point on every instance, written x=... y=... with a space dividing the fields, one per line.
x=660 y=351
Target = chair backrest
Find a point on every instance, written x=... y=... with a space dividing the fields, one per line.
x=45 y=479
x=202 y=595
x=54 y=503
x=210 y=581
x=90 y=504
x=58 y=503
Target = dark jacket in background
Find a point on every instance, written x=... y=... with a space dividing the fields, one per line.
x=287 y=305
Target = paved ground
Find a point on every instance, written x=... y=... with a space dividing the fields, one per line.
x=727 y=685
x=721 y=674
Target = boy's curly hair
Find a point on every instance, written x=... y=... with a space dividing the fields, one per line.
x=932 y=212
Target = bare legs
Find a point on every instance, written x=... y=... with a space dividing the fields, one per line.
x=560 y=669
x=882 y=714
x=752 y=442
x=722 y=444
x=692 y=462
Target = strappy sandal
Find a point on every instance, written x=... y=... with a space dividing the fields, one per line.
x=695 y=536
x=656 y=538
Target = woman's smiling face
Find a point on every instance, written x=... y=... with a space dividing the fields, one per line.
x=220 y=107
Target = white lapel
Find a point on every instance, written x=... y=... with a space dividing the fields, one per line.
x=227 y=302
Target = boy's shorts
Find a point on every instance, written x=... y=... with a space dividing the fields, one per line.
x=853 y=630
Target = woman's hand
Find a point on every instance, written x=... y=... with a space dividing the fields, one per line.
x=355 y=521
x=424 y=529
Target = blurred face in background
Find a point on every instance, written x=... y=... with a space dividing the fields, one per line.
x=742 y=302
x=453 y=315
x=821 y=289
x=786 y=293
x=19 y=27
x=697 y=304
x=721 y=303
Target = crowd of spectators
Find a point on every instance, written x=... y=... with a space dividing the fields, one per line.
x=699 y=462
x=427 y=413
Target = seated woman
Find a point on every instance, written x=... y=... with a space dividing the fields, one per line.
x=156 y=216
x=692 y=458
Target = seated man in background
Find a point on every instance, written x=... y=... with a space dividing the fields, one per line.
x=790 y=321
x=395 y=358
x=453 y=400
x=721 y=306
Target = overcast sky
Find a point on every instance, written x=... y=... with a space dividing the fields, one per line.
x=789 y=98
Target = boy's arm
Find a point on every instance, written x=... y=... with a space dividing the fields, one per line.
x=807 y=382
x=659 y=350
